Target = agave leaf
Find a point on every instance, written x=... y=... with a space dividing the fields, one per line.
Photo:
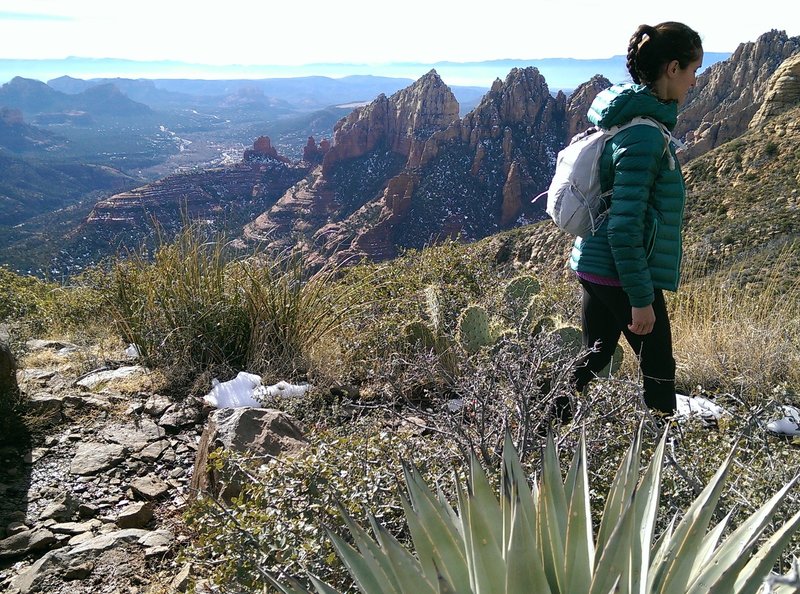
x=451 y=513
x=434 y=531
x=739 y=544
x=646 y=509
x=658 y=550
x=481 y=519
x=524 y=569
x=613 y=568
x=620 y=492
x=516 y=487
x=750 y=578
x=552 y=513
x=291 y=587
x=369 y=575
x=321 y=587
x=709 y=548
x=675 y=573
x=579 y=544
x=405 y=567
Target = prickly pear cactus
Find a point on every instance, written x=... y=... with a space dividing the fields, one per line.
x=433 y=308
x=418 y=334
x=571 y=338
x=520 y=289
x=544 y=324
x=474 y=329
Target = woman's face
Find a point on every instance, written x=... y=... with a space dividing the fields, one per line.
x=679 y=80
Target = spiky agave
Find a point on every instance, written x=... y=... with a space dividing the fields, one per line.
x=540 y=539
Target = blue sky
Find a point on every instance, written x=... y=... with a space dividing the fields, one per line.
x=311 y=31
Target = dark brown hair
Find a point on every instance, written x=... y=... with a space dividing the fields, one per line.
x=652 y=48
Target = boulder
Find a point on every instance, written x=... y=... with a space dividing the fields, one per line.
x=9 y=390
x=26 y=542
x=257 y=431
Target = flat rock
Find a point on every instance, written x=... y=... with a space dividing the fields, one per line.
x=135 y=515
x=75 y=527
x=153 y=451
x=183 y=414
x=100 y=379
x=134 y=437
x=92 y=458
x=149 y=487
x=26 y=542
x=156 y=405
x=157 y=538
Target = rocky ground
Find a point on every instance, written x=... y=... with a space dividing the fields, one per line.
x=93 y=503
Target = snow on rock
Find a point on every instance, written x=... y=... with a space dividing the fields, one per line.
x=243 y=390
x=789 y=424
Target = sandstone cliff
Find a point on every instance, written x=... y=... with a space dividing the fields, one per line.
x=783 y=92
x=579 y=102
x=729 y=93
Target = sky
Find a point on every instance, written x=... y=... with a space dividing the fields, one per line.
x=295 y=32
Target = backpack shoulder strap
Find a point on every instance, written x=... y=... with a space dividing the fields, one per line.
x=648 y=121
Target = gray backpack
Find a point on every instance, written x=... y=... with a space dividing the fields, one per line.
x=574 y=199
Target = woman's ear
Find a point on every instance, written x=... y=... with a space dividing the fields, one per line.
x=673 y=67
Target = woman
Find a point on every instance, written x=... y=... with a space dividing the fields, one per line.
x=636 y=254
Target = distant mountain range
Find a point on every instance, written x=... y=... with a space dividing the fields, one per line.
x=560 y=73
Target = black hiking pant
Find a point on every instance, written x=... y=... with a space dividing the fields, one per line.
x=606 y=313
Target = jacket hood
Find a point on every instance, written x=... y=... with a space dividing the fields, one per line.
x=621 y=103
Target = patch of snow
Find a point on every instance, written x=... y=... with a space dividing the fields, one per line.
x=287 y=390
x=697 y=405
x=241 y=391
x=789 y=424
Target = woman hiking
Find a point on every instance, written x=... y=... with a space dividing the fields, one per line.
x=635 y=255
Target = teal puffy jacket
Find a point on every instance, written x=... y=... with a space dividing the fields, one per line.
x=640 y=242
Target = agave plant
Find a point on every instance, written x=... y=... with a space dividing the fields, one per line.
x=540 y=539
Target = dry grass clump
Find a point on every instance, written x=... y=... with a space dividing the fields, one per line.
x=196 y=307
x=738 y=337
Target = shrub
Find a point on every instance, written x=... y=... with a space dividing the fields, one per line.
x=277 y=523
x=39 y=307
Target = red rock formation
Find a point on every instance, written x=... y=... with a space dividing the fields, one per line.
x=579 y=102
x=506 y=147
x=401 y=122
x=313 y=154
x=262 y=150
x=512 y=197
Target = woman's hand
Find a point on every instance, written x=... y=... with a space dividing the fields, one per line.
x=643 y=319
